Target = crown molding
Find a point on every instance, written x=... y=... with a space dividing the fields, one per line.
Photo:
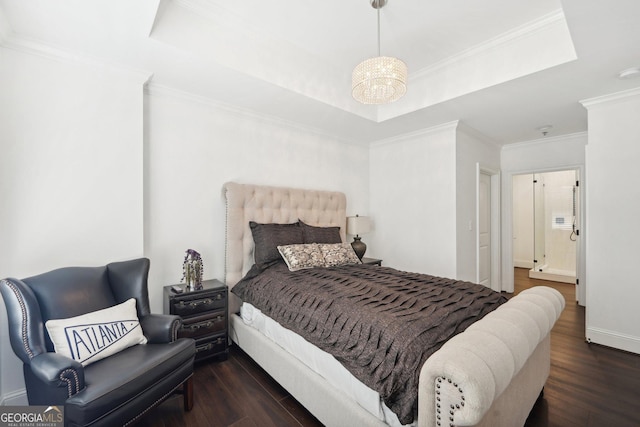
x=457 y=125
x=444 y=127
x=610 y=98
x=578 y=136
x=45 y=50
x=509 y=37
x=154 y=89
x=475 y=133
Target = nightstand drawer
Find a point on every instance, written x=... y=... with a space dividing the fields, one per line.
x=210 y=345
x=186 y=306
x=206 y=324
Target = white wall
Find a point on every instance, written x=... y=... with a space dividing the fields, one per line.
x=413 y=201
x=423 y=197
x=523 y=221
x=94 y=171
x=472 y=150
x=71 y=164
x=70 y=173
x=613 y=204
x=194 y=146
x=543 y=155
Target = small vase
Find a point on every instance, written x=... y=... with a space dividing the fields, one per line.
x=192 y=270
x=192 y=276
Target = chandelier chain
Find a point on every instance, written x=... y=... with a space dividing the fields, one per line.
x=378 y=5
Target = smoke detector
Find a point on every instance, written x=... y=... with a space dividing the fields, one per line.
x=545 y=129
x=629 y=73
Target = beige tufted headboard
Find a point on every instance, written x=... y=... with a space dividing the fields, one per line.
x=246 y=202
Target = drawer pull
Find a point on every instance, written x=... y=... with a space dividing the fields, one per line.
x=210 y=345
x=194 y=304
x=208 y=324
x=204 y=347
x=197 y=326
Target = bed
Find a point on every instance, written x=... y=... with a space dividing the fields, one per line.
x=489 y=375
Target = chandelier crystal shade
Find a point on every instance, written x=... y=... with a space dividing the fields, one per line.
x=379 y=80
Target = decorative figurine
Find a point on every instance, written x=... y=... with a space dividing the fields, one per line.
x=192 y=270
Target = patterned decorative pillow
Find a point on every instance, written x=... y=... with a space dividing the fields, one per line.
x=313 y=234
x=96 y=335
x=267 y=238
x=302 y=256
x=338 y=254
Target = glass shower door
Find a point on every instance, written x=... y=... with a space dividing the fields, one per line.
x=539 y=258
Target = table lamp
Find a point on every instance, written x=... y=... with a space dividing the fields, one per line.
x=357 y=225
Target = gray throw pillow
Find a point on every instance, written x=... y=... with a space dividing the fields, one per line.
x=267 y=238
x=313 y=234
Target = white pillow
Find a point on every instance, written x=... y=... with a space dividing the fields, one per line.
x=338 y=254
x=301 y=256
x=94 y=336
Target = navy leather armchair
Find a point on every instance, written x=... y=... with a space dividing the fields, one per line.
x=116 y=390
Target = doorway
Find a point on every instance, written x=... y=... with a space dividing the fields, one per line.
x=546 y=225
x=484 y=229
x=488 y=263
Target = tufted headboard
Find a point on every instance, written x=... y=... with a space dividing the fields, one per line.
x=246 y=202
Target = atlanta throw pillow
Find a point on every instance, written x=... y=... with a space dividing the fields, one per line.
x=94 y=336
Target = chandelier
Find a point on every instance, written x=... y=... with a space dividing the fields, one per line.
x=382 y=79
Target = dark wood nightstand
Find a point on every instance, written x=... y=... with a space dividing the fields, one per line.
x=372 y=261
x=204 y=316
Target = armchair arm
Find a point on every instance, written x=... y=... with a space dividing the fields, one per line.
x=57 y=370
x=160 y=328
x=26 y=329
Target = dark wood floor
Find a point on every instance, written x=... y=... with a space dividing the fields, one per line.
x=589 y=385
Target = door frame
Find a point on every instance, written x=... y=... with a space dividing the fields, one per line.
x=507 y=228
x=494 y=174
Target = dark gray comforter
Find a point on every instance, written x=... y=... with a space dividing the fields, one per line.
x=380 y=323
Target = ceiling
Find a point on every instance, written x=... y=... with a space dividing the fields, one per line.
x=503 y=67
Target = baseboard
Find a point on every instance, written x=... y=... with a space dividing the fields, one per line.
x=614 y=339
x=545 y=275
x=520 y=263
x=14 y=398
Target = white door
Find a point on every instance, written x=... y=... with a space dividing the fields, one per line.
x=484 y=230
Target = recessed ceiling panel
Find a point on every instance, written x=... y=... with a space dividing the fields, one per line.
x=505 y=67
x=312 y=48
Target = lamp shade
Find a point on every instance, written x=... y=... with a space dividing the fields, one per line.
x=357 y=225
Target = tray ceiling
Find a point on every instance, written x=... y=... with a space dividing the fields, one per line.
x=505 y=67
